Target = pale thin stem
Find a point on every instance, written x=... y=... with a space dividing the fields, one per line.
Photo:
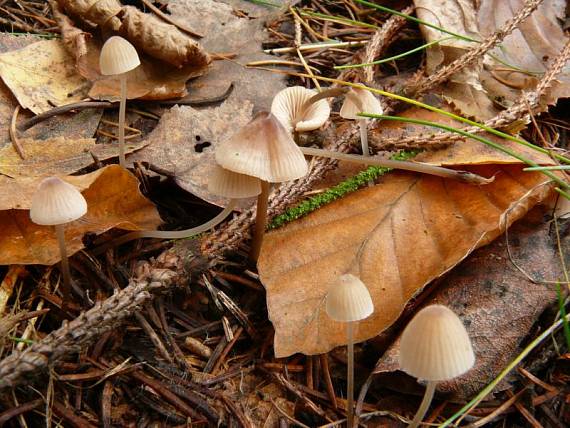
x=423 y=168
x=122 y=112
x=260 y=221
x=424 y=406
x=65 y=273
x=171 y=234
x=363 y=124
x=350 y=374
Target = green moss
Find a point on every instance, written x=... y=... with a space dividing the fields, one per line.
x=354 y=183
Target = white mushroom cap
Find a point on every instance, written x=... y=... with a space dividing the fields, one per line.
x=263 y=149
x=288 y=104
x=118 y=56
x=348 y=300
x=232 y=184
x=435 y=345
x=56 y=202
x=359 y=101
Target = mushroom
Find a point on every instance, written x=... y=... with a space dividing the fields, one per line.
x=118 y=56
x=349 y=301
x=360 y=101
x=222 y=183
x=435 y=347
x=56 y=203
x=264 y=149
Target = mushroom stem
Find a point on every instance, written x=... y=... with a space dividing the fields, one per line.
x=363 y=124
x=65 y=273
x=465 y=176
x=350 y=374
x=122 y=112
x=326 y=93
x=424 y=406
x=260 y=221
x=170 y=234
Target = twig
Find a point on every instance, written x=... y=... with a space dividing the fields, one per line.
x=168 y=19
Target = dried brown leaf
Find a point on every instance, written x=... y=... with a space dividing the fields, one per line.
x=497 y=303
x=396 y=236
x=42 y=75
x=185 y=139
x=482 y=90
x=232 y=34
x=113 y=200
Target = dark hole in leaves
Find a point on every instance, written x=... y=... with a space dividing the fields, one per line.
x=198 y=138
x=199 y=148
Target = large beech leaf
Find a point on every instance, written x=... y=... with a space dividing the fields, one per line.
x=396 y=236
x=113 y=200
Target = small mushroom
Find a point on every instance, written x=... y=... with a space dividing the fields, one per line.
x=118 y=56
x=300 y=109
x=435 y=347
x=360 y=101
x=348 y=300
x=264 y=149
x=56 y=203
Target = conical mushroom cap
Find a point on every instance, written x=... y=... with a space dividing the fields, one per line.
x=435 y=345
x=263 y=149
x=359 y=101
x=232 y=184
x=118 y=56
x=288 y=104
x=57 y=202
x=348 y=299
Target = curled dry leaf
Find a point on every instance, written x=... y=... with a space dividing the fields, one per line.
x=113 y=200
x=396 y=236
x=147 y=32
x=481 y=90
x=184 y=141
x=497 y=303
x=42 y=75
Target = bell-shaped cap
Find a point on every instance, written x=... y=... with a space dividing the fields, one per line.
x=118 y=56
x=359 y=101
x=435 y=345
x=233 y=185
x=289 y=107
x=263 y=149
x=57 y=202
x=348 y=300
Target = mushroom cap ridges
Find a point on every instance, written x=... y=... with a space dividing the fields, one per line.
x=359 y=101
x=118 y=56
x=56 y=202
x=233 y=185
x=348 y=299
x=288 y=104
x=263 y=149
x=435 y=345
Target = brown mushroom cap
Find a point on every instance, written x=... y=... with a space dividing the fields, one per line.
x=288 y=107
x=233 y=185
x=56 y=202
x=263 y=149
x=359 y=101
x=435 y=345
x=348 y=299
x=118 y=56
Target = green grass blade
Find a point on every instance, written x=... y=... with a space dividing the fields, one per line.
x=338 y=19
x=562 y=310
x=395 y=57
x=413 y=19
x=548 y=168
x=483 y=140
